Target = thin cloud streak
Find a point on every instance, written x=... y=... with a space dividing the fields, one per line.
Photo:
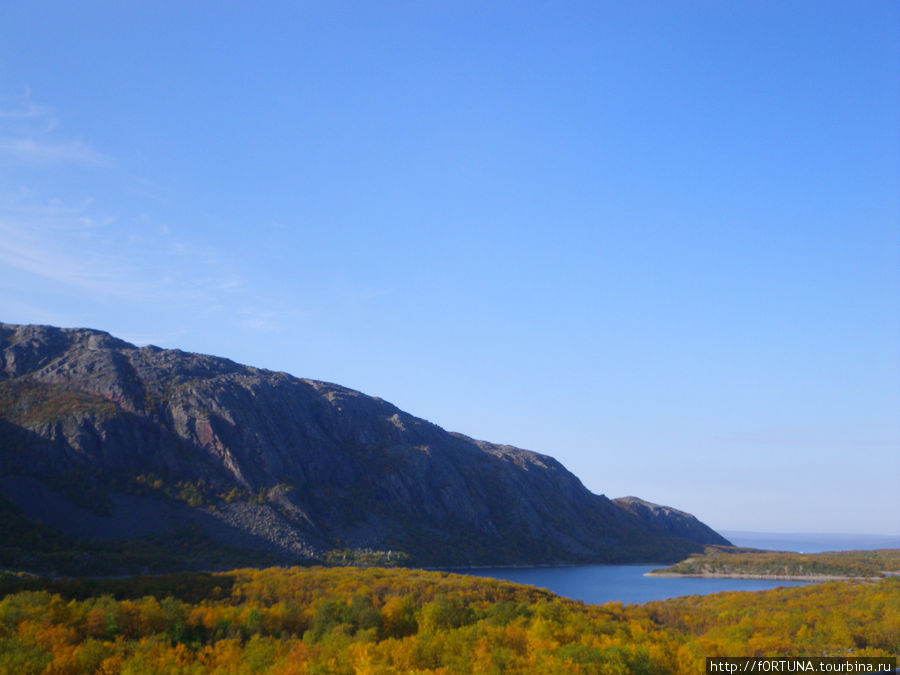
x=23 y=249
x=31 y=151
x=28 y=111
x=26 y=135
x=99 y=259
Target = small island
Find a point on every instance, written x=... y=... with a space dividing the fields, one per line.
x=749 y=563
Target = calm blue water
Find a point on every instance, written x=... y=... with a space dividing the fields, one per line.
x=623 y=583
x=627 y=583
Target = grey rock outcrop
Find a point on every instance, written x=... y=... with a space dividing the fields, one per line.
x=672 y=521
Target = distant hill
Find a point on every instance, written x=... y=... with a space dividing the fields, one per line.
x=104 y=441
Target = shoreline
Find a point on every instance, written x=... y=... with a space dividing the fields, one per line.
x=522 y=566
x=764 y=577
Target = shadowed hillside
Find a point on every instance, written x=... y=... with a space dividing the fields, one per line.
x=101 y=439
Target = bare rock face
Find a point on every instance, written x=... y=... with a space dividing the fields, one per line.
x=673 y=521
x=293 y=466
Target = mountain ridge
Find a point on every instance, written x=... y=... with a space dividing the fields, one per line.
x=292 y=466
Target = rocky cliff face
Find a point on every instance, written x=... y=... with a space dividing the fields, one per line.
x=665 y=518
x=116 y=434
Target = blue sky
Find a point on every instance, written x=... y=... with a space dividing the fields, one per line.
x=658 y=241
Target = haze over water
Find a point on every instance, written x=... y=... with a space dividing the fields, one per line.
x=811 y=542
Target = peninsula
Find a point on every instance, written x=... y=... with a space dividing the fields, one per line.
x=747 y=563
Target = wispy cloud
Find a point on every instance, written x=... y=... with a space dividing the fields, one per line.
x=33 y=151
x=28 y=134
x=42 y=245
x=100 y=259
x=26 y=109
x=73 y=255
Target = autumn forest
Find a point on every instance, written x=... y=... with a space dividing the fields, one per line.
x=375 y=620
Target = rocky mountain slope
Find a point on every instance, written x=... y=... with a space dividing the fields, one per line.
x=101 y=439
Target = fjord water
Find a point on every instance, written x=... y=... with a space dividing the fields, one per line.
x=619 y=583
x=628 y=584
